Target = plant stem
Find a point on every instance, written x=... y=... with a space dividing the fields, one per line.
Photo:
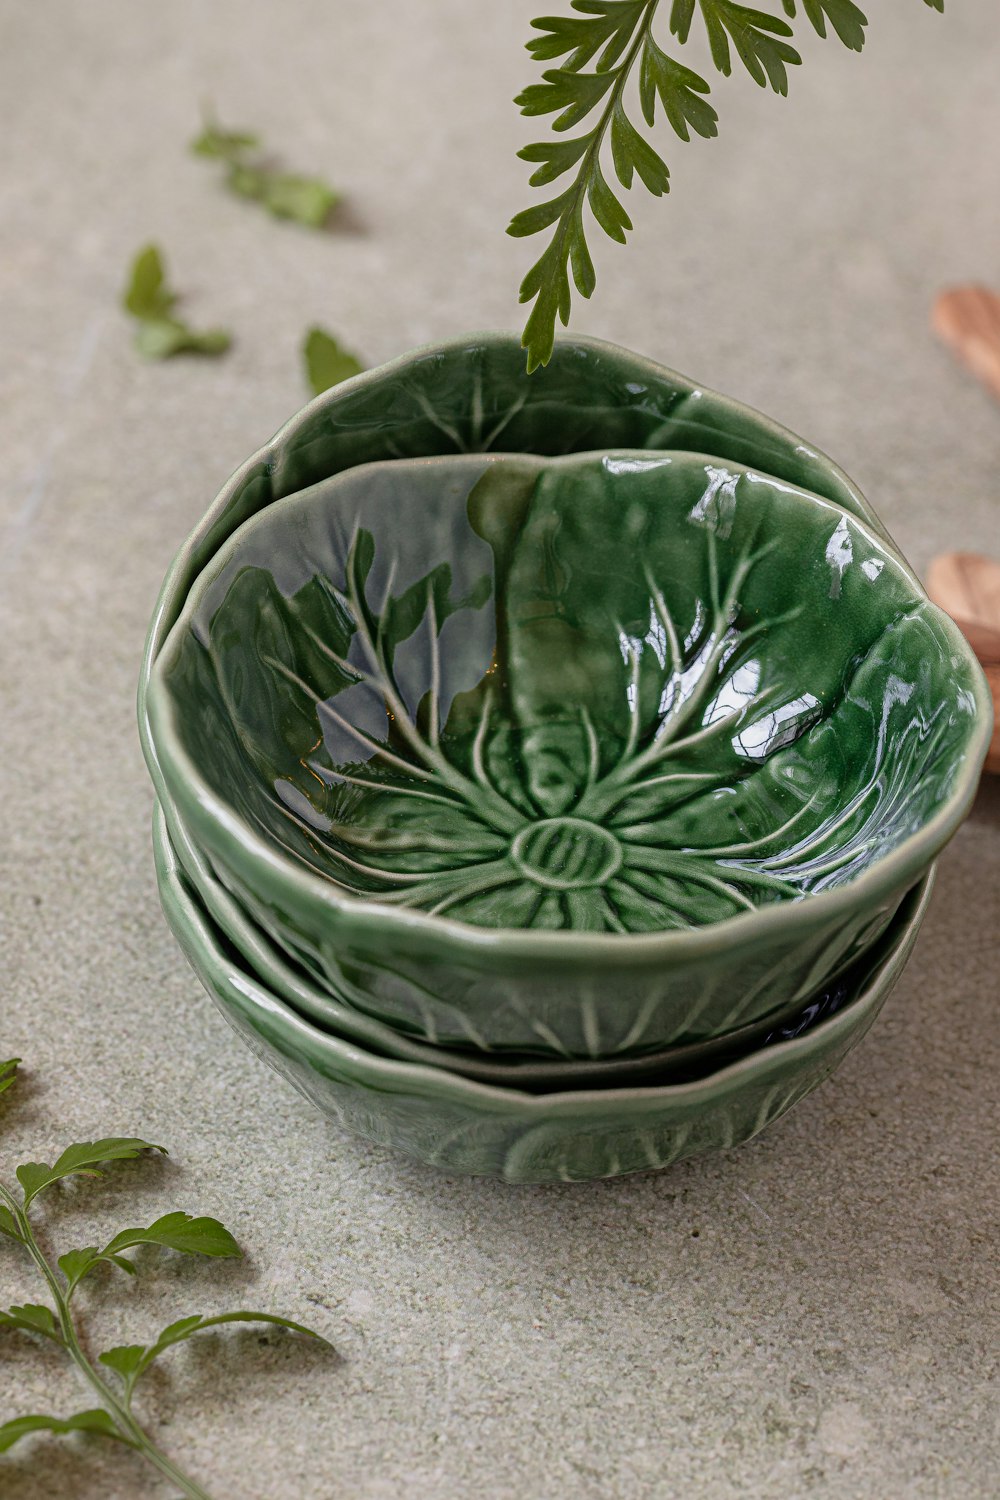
x=130 y=1430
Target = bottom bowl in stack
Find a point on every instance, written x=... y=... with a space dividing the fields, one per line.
x=461 y=1125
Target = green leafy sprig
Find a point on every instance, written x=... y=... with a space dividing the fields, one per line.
x=151 y=302
x=327 y=362
x=286 y=195
x=113 y=1376
x=600 y=49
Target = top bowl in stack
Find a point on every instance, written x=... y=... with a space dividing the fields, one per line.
x=578 y=715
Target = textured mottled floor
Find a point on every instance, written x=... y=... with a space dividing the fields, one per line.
x=814 y=1315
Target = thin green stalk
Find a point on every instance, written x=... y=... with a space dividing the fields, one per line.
x=130 y=1430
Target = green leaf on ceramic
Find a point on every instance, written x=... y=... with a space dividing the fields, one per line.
x=327 y=363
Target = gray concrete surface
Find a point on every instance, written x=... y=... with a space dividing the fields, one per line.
x=813 y=1315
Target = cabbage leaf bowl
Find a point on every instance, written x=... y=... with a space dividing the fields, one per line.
x=578 y=715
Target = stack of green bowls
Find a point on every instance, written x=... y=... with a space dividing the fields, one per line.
x=549 y=769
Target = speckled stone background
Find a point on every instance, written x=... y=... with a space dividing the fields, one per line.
x=813 y=1315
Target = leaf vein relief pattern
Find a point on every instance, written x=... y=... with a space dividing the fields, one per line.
x=633 y=750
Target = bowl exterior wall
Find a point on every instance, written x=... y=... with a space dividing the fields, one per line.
x=461 y=1127
x=489 y=999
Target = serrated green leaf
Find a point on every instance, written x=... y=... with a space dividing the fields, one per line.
x=31 y=1317
x=125 y=1360
x=93 y=1420
x=8 y=1073
x=539 y=215
x=146 y=293
x=679 y=91
x=631 y=153
x=574 y=94
x=606 y=208
x=76 y=1263
x=327 y=362
x=81 y=1160
x=935 y=5
x=571 y=95
x=757 y=37
x=557 y=157
x=846 y=18
x=681 y=16
x=179 y=1231
x=606 y=25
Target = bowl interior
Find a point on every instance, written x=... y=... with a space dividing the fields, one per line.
x=607 y=692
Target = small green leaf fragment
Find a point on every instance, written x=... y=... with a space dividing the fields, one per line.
x=94 y=1420
x=757 y=37
x=327 y=363
x=165 y=337
x=31 y=1317
x=125 y=1360
x=179 y=1231
x=160 y=333
x=846 y=18
x=221 y=144
x=8 y=1073
x=286 y=195
x=146 y=294
x=306 y=200
x=681 y=16
x=8 y=1224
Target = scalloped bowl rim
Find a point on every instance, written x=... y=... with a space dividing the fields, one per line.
x=439 y=1083
x=896 y=870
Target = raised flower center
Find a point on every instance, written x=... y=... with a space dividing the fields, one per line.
x=566 y=853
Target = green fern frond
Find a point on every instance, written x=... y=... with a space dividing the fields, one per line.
x=600 y=46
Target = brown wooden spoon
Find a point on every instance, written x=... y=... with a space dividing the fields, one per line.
x=967 y=586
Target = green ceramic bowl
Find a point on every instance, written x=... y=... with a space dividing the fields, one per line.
x=347 y=1020
x=679 y=736
x=462 y=1126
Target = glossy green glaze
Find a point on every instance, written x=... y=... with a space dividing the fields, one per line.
x=572 y=994
x=617 y=693
x=462 y=1126
x=620 y=694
